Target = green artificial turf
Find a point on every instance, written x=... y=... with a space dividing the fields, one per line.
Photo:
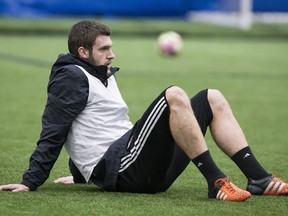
x=251 y=73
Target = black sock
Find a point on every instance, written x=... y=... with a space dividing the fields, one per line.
x=248 y=164
x=208 y=168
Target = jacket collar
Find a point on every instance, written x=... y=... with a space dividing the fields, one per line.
x=100 y=72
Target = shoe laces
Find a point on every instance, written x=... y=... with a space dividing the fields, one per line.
x=229 y=186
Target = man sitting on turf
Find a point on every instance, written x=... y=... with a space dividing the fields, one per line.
x=86 y=114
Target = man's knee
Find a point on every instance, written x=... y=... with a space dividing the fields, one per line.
x=217 y=101
x=176 y=97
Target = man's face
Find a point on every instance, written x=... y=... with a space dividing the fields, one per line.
x=102 y=52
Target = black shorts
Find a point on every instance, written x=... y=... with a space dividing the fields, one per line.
x=146 y=159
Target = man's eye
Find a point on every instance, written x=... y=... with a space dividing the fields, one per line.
x=104 y=48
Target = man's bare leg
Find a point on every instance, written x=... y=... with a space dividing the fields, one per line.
x=188 y=136
x=224 y=128
x=184 y=126
x=230 y=138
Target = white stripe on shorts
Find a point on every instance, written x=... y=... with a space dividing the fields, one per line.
x=144 y=134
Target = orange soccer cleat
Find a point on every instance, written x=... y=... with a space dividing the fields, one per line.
x=225 y=190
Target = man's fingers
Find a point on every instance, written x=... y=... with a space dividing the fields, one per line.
x=6 y=187
x=14 y=188
x=65 y=180
x=21 y=190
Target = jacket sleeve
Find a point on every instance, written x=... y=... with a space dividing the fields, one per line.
x=67 y=96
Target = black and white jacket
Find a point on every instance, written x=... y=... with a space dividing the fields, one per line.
x=84 y=112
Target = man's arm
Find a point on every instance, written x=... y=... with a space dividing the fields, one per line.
x=67 y=96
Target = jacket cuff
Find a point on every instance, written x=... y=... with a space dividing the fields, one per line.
x=30 y=185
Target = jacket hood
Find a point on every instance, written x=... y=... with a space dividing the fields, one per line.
x=99 y=72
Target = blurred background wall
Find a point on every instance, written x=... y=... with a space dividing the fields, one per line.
x=131 y=8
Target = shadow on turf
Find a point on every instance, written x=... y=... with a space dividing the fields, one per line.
x=176 y=193
x=24 y=60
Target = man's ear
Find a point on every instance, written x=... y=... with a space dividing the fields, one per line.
x=83 y=53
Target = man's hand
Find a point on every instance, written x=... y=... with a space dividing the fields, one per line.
x=14 y=188
x=65 y=180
